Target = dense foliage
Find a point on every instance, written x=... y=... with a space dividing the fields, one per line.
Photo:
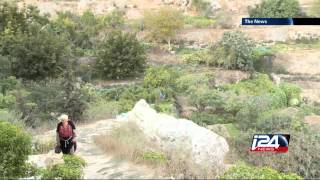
x=15 y=20
x=163 y=24
x=120 y=55
x=84 y=31
x=71 y=169
x=233 y=51
x=15 y=146
x=39 y=55
x=34 y=51
x=247 y=172
x=276 y=9
x=202 y=6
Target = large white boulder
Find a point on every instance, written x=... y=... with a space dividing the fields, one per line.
x=202 y=146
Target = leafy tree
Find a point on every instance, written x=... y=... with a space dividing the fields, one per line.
x=74 y=100
x=161 y=77
x=233 y=51
x=83 y=31
x=15 y=19
x=38 y=55
x=120 y=55
x=163 y=24
x=15 y=146
x=276 y=9
x=32 y=49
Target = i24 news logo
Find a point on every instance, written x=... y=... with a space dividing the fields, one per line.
x=270 y=142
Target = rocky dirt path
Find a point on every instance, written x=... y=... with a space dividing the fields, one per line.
x=99 y=164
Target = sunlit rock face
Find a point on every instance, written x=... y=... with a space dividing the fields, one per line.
x=200 y=145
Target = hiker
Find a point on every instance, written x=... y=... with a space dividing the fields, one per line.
x=65 y=137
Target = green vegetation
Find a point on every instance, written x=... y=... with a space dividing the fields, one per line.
x=33 y=50
x=315 y=9
x=196 y=57
x=71 y=169
x=247 y=172
x=154 y=157
x=276 y=9
x=121 y=55
x=161 y=77
x=84 y=31
x=163 y=24
x=199 y=21
x=15 y=146
x=202 y=6
x=284 y=47
x=38 y=56
x=223 y=19
x=233 y=51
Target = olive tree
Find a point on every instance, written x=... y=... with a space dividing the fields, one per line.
x=120 y=55
x=163 y=24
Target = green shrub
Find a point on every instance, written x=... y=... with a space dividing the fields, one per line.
x=248 y=115
x=276 y=9
x=71 y=169
x=15 y=146
x=187 y=81
x=223 y=19
x=5 y=69
x=154 y=157
x=6 y=101
x=14 y=19
x=199 y=21
x=202 y=6
x=166 y=107
x=120 y=55
x=115 y=19
x=162 y=77
x=259 y=84
x=274 y=121
x=84 y=31
x=233 y=51
x=151 y=95
x=196 y=58
x=247 y=172
x=262 y=57
x=292 y=92
x=203 y=97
